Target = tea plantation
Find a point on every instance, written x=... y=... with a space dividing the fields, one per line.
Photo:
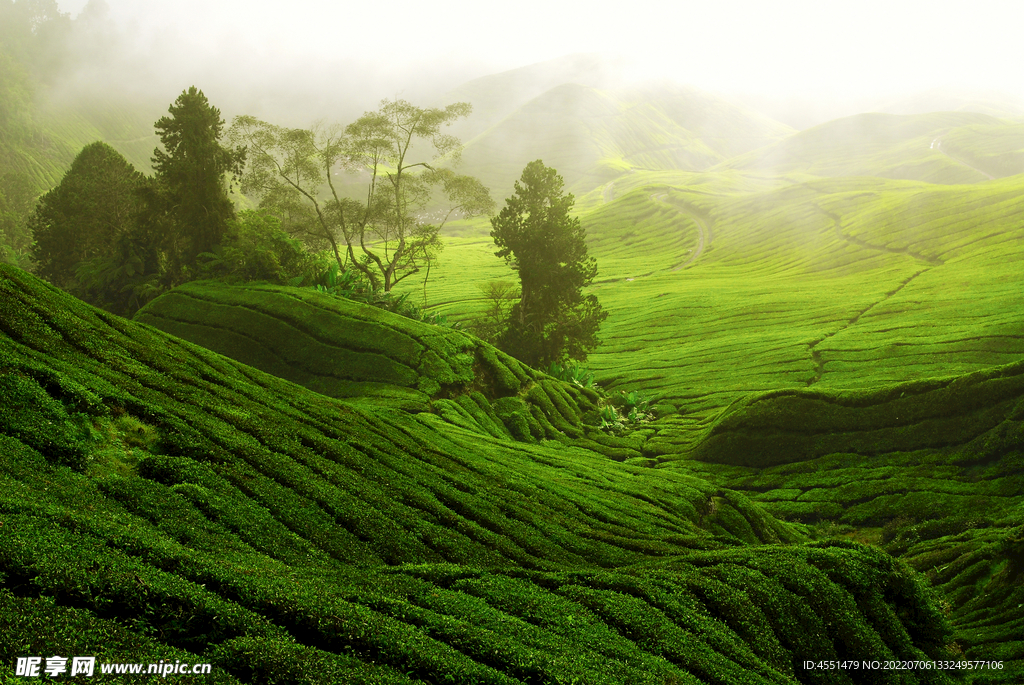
x=844 y=350
x=160 y=500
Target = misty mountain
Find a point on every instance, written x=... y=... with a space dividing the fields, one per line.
x=496 y=96
x=592 y=136
x=949 y=100
x=935 y=147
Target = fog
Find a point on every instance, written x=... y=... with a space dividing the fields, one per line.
x=806 y=61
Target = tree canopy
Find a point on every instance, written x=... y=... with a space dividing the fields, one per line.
x=115 y=238
x=83 y=217
x=190 y=194
x=553 y=320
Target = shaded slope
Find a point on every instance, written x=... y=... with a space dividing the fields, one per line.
x=933 y=470
x=346 y=349
x=948 y=414
x=158 y=498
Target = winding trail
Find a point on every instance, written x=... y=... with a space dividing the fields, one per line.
x=608 y=192
x=703 y=233
x=933 y=261
x=819 y=363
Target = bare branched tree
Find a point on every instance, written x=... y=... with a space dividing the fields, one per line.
x=293 y=171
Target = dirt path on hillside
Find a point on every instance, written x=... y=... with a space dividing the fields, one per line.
x=816 y=358
x=608 y=192
x=937 y=145
x=837 y=226
x=703 y=234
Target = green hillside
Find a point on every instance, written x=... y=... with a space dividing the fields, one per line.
x=348 y=350
x=836 y=320
x=42 y=133
x=997 y=149
x=124 y=125
x=832 y=283
x=994 y=103
x=180 y=504
x=300 y=488
x=495 y=96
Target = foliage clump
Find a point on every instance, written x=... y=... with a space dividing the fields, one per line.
x=385 y=235
x=553 y=321
x=86 y=218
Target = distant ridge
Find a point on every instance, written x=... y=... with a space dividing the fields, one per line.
x=592 y=136
x=877 y=144
x=992 y=103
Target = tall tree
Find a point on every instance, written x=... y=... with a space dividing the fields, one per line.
x=382 y=234
x=84 y=216
x=190 y=197
x=553 y=320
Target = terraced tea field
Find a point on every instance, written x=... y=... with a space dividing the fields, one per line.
x=158 y=498
x=836 y=283
x=847 y=351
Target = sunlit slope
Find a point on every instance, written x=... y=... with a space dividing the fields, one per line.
x=833 y=283
x=840 y=283
x=592 y=136
x=889 y=146
x=158 y=498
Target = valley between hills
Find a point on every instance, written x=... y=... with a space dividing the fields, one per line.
x=298 y=488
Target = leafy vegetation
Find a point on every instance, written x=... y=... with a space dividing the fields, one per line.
x=94 y=207
x=383 y=235
x=553 y=320
x=188 y=202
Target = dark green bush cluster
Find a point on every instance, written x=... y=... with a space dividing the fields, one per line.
x=352 y=284
x=255 y=248
x=31 y=415
x=967 y=411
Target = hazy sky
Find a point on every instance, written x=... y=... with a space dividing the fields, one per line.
x=780 y=46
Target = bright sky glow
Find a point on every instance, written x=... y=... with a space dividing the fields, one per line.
x=783 y=47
